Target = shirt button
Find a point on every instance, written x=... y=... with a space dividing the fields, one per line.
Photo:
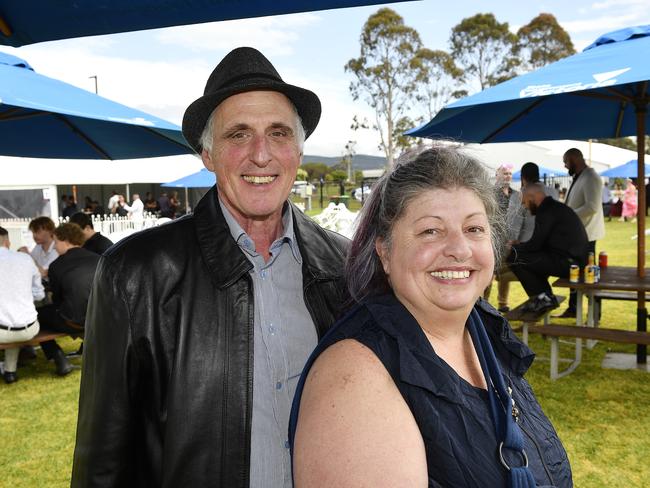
x=286 y=444
x=278 y=385
x=272 y=329
x=263 y=275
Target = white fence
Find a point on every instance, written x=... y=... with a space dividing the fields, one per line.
x=111 y=226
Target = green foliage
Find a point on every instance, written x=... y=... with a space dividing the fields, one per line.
x=338 y=175
x=301 y=174
x=483 y=48
x=542 y=41
x=385 y=72
x=315 y=171
x=439 y=80
x=625 y=143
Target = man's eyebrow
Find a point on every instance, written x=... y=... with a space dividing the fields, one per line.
x=239 y=126
x=281 y=125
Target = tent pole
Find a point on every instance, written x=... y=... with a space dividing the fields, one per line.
x=642 y=314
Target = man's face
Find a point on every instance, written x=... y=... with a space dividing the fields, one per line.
x=42 y=237
x=569 y=164
x=255 y=153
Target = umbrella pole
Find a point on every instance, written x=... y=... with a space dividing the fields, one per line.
x=642 y=313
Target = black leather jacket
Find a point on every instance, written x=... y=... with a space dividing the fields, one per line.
x=166 y=390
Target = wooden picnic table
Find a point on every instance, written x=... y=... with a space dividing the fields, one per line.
x=613 y=278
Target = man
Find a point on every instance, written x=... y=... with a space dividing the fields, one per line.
x=517 y=229
x=559 y=240
x=136 y=209
x=530 y=174
x=607 y=201
x=71 y=277
x=20 y=285
x=113 y=202
x=44 y=252
x=198 y=330
x=93 y=241
x=165 y=206
x=584 y=197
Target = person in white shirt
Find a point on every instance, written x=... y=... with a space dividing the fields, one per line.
x=136 y=209
x=44 y=252
x=20 y=285
x=113 y=202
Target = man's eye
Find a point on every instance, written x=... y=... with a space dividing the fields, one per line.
x=279 y=133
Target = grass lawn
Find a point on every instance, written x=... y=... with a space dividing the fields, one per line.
x=602 y=416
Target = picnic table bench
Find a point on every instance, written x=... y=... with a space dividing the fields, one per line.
x=42 y=336
x=527 y=318
x=579 y=332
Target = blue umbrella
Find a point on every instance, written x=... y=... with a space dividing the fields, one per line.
x=200 y=179
x=600 y=92
x=627 y=170
x=543 y=172
x=29 y=21
x=41 y=117
x=592 y=94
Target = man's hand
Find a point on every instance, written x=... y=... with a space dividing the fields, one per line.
x=23 y=249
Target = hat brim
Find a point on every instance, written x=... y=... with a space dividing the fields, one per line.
x=196 y=116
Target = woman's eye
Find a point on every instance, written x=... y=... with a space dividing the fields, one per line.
x=476 y=229
x=429 y=231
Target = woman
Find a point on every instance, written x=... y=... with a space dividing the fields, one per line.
x=630 y=202
x=396 y=393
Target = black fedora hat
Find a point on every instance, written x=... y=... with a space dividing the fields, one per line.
x=246 y=69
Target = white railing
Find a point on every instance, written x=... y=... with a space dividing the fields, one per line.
x=111 y=226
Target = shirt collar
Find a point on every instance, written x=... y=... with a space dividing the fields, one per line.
x=248 y=245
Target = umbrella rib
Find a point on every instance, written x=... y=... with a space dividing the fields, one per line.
x=619 y=119
x=164 y=137
x=10 y=114
x=88 y=141
x=513 y=120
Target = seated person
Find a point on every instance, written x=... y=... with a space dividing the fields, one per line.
x=71 y=277
x=44 y=253
x=20 y=285
x=93 y=241
x=408 y=389
x=558 y=241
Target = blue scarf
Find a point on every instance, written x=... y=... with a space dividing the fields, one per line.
x=508 y=432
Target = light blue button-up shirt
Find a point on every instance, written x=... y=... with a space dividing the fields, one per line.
x=284 y=337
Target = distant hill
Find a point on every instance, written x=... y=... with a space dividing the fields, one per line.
x=359 y=161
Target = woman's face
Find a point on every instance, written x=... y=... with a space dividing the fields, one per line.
x=441 y=256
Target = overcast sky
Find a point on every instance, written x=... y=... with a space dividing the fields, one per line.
x=162 y=71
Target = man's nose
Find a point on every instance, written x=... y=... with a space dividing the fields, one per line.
x=260 y=152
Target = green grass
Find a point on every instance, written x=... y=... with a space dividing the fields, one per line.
x=602 y=416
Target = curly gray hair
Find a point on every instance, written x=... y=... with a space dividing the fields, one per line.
x=437 y=167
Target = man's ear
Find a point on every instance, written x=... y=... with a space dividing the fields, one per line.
x=382 y=252
x=207 y=160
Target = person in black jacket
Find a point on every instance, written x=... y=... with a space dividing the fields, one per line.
x=198 y=329
x=93 y=241
x=558 y=241
x=71 y=276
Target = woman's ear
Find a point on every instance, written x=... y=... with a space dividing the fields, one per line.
x=382 y=252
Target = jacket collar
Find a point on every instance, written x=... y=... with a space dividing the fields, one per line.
x=224 y=259
x=227 y=263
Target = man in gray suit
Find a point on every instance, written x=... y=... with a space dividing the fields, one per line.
x=584 y=197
